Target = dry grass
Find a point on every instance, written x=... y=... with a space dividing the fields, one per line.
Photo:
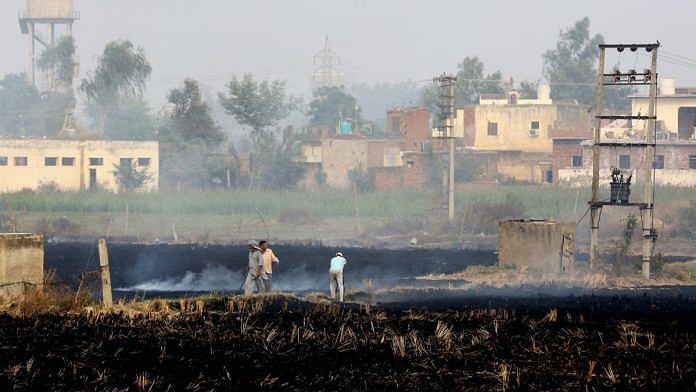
x=52 y=296
x=479 y=277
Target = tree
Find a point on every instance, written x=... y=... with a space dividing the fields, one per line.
x=471 y=83
x=281 y=167
x=331 y=105
x=20 y=102
x=191 y=115
x=130 y=120
x=257 y=105
x=528 y=90
x=121 y=74
x=571 y=68
x=130 y=177
x=24 y=111
x=573 y=61
x=187 y=135
x=58 y=60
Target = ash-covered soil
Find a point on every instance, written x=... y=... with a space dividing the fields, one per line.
x=188 y=268
x=617 y=341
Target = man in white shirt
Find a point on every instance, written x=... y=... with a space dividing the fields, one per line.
x=336 y=276
x=268 y=259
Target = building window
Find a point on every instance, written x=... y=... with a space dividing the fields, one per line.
x=3 y=161
x=96 y=161
x=409 y=163
x=396 y=124
x=492 y=129
x=535 y=125
x=21 y=161
x=67 y=161
x=692 y=161
x=143 y=162
x=50 y=161
x=624 y=161
x=576 y=161
x=125 y=161
x=659 y=162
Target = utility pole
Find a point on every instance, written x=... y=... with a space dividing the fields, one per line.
x=445 y=130
x=629 y=78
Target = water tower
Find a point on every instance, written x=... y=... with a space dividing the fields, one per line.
x=48 y=13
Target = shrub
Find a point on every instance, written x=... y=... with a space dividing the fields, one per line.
x=686 y=223
x=48 y=187
x=61 y=226
x=360 y=178
x=6 y=223
x=483 y=217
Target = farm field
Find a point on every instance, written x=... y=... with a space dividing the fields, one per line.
x=608 y=342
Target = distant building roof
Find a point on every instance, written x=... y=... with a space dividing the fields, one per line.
x=493 y=96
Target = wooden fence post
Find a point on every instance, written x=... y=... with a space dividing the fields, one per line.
x=105 y=274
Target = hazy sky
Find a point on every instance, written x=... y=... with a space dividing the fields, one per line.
x=378 y=40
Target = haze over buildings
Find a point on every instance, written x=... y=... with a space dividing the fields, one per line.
x=385 y=41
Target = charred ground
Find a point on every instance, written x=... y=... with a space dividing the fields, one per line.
x=621 y=341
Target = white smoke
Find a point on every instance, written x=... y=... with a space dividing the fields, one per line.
x=214 y=278
x=221 y=278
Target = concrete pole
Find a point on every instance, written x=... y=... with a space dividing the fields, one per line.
x=450 y=128
x=356 y=210
x=32 y=49
x=51 y=73
x=105 y=274
x=594 y=208
x=650 y=157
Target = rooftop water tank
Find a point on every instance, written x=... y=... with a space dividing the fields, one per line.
x=50 y=9
x=667 y=86
x=544 y=92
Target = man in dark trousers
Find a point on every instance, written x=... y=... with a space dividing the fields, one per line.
x=255 y=273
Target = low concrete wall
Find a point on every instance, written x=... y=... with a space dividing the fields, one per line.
x=545 y=245
x=21 y=264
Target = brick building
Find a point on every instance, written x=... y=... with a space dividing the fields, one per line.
x=567 y=148
x=411 y=125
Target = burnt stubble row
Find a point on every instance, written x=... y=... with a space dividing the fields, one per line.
x=281 y=342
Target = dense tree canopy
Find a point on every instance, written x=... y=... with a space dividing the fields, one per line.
x=571 y=68
x=472 y=81
x=58 y=61
x=121 y=73
x=332 y=104
x=24 y=111
x=258 y=105
x=191 y=116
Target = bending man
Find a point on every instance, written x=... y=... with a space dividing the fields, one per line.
x=336 y=276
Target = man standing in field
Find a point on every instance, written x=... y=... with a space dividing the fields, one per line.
x=255 y=271
x=268 y=259
x=336 y=276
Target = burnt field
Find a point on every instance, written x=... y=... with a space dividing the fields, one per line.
x=641 y=341
x=179 y=269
